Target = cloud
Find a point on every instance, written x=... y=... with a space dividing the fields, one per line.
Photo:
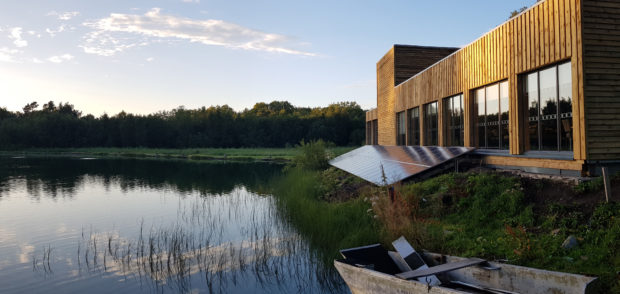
x=64 y=15
x=119 y=32
x=60 y=58
x=150 y=59
x=6 y=54
x=26 y=251
x=190 y=1
x=53 y=33
x=16 y=35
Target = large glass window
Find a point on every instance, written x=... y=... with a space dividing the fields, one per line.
x=368 y=132
x=413 y=132
x=503 y=120
x=549 y=99
x=491 y=117
x=401 y=127
x=431 y=122
x=565 y=90
x=453 y=110
x=375 y=132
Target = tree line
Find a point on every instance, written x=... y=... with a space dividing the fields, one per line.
x=275 y=124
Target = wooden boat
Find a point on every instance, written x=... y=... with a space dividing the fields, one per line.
x=372 y=269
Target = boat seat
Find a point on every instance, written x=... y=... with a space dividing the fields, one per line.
x=442 y=268
x=413 y=261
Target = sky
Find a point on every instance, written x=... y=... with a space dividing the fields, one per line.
x=152 y=55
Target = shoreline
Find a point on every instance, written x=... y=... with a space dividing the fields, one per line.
x=272 y=155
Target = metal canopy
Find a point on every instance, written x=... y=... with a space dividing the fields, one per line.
x=385 y=165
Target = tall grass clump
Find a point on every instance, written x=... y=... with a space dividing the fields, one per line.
x=327 y=225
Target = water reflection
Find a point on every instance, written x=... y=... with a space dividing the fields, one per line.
x=60 y=177
x=133 y=226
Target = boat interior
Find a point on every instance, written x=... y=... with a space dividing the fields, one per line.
x=375 y=257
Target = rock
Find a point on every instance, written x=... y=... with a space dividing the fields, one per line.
x=570 y=242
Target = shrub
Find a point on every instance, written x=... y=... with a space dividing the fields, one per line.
x=313 y=156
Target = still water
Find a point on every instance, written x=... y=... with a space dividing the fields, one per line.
x=71 y=225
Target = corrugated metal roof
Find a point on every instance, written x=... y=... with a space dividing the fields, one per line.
x=385 y=165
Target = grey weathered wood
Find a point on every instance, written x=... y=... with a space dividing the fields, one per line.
x=606 y=183
x=442 y=268
x=510 y=278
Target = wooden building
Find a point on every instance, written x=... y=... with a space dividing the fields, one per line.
x=540 y=92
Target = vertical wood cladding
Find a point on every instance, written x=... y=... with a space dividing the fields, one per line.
x=385 y=99
x=410 y=60
x=601 y=62
x=547 y=33
x=399 y=64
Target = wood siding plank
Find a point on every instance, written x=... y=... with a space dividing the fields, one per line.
x=562 y=29
x=537 y=46
x=556 y=20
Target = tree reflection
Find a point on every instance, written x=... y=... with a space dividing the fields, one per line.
x=61 y=177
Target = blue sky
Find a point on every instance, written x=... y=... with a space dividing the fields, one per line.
x=146 y=56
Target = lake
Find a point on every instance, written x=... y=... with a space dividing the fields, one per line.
x=84 y=225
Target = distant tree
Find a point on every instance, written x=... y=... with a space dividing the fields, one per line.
x=49 y=106
x=30 y=107
x=274 y=124
x=516 y=12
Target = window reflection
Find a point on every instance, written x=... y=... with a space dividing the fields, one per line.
x=401 y=124
x=414 y=126
x=492 y=96
x=503 y=107
x=480 y=118
x=431 y=123
x=492 y=108
x=531 y=91
x=549 y=96
x=565 y=91
x=453 y=107
x=547 y=84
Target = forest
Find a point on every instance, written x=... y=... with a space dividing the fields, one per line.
x=275 y=124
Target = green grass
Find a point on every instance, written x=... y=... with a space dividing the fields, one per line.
x=273 y=154
x=490 y=216
x=327 y=225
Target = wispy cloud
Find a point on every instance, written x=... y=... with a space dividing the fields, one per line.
x=7 y=55
x=53 y=32
x=64 y=15
x=114 y=34
x=150 y=59
x=16 y=36
x=60 y=58
x=34 y=33
x=190 y=1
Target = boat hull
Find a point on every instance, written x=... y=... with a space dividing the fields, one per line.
x=365 y=281
x=513 y=278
